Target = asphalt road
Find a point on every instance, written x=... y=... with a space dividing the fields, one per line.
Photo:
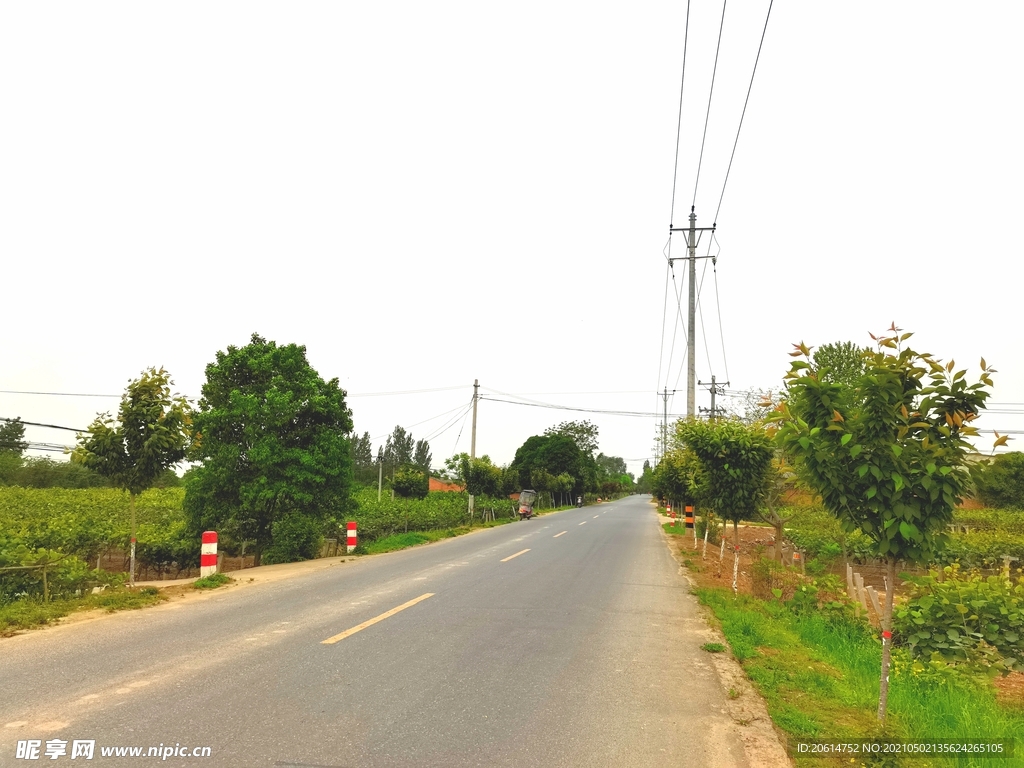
x=567 y=640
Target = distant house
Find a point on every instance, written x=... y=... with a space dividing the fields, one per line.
x=441 y=485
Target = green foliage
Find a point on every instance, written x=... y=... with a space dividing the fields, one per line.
x=554 y=454
x=582 y=433
x=362 y=451
x=841 y=362
x=43 y=472
x=272 y=438
x=295 y=536
x=12 y=436
x=33 y=612
x=713 y=647
x=818 y=673
x=151 y=434
x=962 y=617
x=411 y=483
x=680 y=478
x=734 y=458
x=887 y=454
x=1000 y=481
x=212 y=582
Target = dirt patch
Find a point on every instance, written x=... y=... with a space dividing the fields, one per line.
x=1010 y=690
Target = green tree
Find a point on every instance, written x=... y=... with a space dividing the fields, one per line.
x=583 y=433
x=421 y=455
x=273 y=439
x=12 y=436
x=411 y=482
x=735 y=459
x=999 y=482
x=398 y=448
x=886 y=453
x=362 y=452
x=841 y=362
x=151 y=434
x=554 y=453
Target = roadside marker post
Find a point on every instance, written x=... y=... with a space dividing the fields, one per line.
x=352 y=537
x=208 y=555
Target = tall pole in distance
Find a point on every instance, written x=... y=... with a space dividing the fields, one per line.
x=716 y=389
x=691 y=327
x=472 y=441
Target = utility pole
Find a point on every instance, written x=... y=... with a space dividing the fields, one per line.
x=472 y=441
x=715 y=389
x=664 y=422
x=691 y=314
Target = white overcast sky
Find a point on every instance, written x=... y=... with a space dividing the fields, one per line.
x=428 y=193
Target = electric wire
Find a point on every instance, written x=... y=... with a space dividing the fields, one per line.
x=711 y=94
x=455 y=448
x=664 y=316
x=743 y=113
x=679 y=126
x=718 y=305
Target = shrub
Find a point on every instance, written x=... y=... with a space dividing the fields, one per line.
x=1000 y=483
x=961 y=618
x=294 y=537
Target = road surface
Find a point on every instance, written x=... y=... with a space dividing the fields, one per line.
x=567 y=640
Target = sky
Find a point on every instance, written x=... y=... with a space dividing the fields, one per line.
x=428 y=194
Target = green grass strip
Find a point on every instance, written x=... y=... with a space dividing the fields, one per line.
x=31 y=613
x=818 y=674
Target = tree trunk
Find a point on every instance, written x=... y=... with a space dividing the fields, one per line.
x=883 y=689
x=735 y=555
x=131 y=504
x=777 y=523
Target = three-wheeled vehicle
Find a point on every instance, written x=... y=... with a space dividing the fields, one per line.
x=526 y=499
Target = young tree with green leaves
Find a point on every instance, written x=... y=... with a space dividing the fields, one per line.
x=735 y=459
x=887 y=453
x=151 y=434
x=273 y=439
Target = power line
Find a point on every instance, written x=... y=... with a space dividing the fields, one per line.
x=711 y=93
x=744 y=113
x=48 y=426
x=54 y=394
x=679 y=127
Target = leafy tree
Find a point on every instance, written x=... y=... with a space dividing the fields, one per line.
x=12 y=436
x=735 y=459
x=151 y=434
x=455 y=467
x=583 y=433
x=411 y=483
x=1000 y=482
x=421 y=455
x=555 y=454
x=886 y=453
x=398 y=448
x=841 y=362
x=273 y=441
x=362 y=452
x=611 y=466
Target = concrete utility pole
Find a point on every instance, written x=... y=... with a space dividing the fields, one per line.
x=715 y=389
x=472 y=440
x=664 y=422
x=691 y=315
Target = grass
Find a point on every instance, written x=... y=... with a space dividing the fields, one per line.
x=713 y=647
x=819 y=677
x=405 y=540
x=212 y=582
x=29 y=613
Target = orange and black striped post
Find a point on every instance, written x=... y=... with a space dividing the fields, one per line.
x=689 y=516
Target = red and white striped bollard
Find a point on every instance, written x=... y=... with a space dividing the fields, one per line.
x=352 y=537
x=208 y=555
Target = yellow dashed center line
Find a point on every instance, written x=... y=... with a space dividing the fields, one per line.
x=517 y=554
x=371 y=622
x=559 y=534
